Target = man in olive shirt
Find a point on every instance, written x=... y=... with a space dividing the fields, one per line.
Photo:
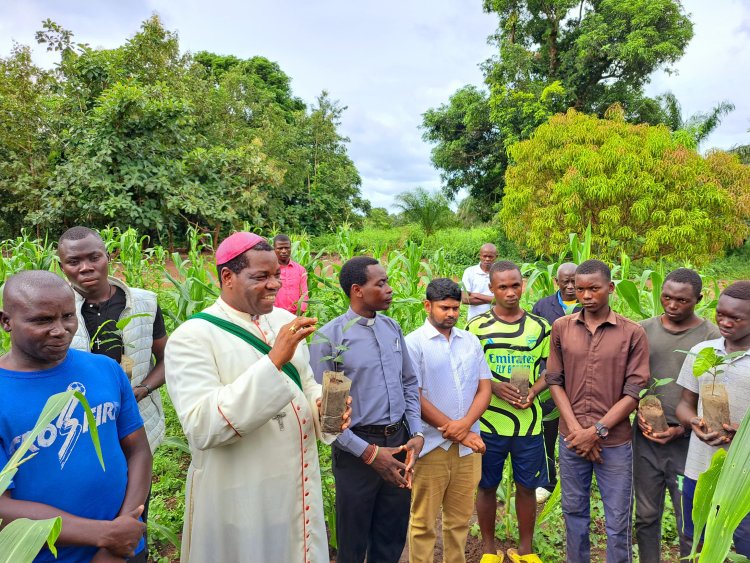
x=659 y=457
x=597 y=367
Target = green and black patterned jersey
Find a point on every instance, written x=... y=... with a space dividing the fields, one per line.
x=524 y=343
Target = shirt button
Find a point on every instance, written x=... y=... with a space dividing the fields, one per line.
x=304 y=437
x=304 y=451
x=307 y=507
x=299 y=408
x=305 y=466
x=304 y=421
x=307 y=521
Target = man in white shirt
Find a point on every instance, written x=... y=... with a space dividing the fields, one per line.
x=476 y=282
x=733 y=319
x=454 y=382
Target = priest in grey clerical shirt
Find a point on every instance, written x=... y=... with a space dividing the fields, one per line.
x=372 y=460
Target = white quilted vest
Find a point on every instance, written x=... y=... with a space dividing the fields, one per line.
x=137 y=338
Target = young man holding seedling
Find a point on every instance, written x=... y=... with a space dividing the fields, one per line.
x=373 y=460
x=102 y=301
x=514 y=341
x=240 y=380
x=659 y=457
x=292 y=295
x=476 y=282
x=454 y=387
x=733 y=319
x=562 y=302
x=597 y=367
x=100 y=506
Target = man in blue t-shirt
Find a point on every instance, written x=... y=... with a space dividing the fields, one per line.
x=100 y=509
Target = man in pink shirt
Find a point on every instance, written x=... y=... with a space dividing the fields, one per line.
x=293 y=293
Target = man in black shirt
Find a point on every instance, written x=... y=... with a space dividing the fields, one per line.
x=85 y=262
x=101 y=303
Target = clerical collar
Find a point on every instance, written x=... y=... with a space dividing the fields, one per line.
x=253 y=318
x=364 y=321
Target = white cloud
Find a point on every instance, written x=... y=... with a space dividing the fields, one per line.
x=715 y=67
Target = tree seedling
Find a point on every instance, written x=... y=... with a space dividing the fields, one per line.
x=714 y=397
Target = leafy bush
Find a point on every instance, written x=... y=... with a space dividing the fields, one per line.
x=642 y=191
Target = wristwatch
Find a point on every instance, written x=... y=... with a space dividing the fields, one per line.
x=146 y=387
x=601 y=430
x=417 y=434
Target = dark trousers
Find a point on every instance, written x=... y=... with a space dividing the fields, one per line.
x=657 y=468
x=614 y=476
x=551 y=432
x=372 y=516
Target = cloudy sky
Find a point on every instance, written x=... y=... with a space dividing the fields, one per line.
x=387 y=61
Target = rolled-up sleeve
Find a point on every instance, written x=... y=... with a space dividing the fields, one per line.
x=637 y=371
x=555 y=374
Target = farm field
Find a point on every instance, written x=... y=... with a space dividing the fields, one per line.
x=185 y=283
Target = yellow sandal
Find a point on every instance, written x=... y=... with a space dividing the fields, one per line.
x=490 y=558
x=529 y=558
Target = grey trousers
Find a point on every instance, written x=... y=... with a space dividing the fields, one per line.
x=656 y=468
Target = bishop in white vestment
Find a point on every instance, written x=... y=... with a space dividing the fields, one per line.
x=253 y=489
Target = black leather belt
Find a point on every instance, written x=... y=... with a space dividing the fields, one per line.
x=379 y=429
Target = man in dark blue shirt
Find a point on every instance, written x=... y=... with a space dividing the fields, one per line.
x=561 y=303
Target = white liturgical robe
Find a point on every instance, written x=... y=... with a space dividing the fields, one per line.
x=253 y=490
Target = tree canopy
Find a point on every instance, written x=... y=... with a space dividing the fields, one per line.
x=641 y=189
x=146 y=136
x=552 y=55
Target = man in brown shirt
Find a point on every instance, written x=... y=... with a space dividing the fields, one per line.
x=597 y=367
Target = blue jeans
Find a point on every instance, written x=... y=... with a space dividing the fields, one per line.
x=615 y=479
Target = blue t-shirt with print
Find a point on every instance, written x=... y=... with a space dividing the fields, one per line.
x=65 y=472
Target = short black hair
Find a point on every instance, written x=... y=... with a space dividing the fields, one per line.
x=354 y=271
x=738 y=290
x=281 y=238
x=79 y=233
x=594 y=267
x=239 y=263
x=503 y=266
x=440 y=289
x=686 y=275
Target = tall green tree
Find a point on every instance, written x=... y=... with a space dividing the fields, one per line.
x=468 y=146
x=147 y=136
x=27 y=139
x=640 y=188
x=555 y=54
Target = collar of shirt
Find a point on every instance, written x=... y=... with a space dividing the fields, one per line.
x=232 y=312
x=290 y=264
x=350 y=315
x=480 y=271
x=432 y=332
x=611 y=318
x=719 y=345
